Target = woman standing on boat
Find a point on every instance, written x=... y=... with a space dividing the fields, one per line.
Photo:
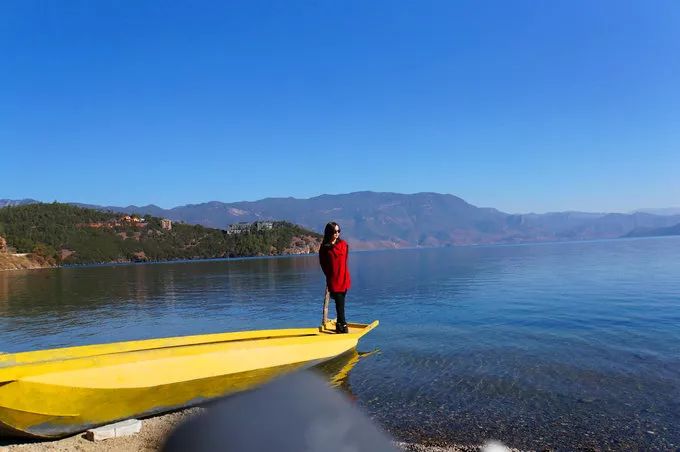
x=333 y=254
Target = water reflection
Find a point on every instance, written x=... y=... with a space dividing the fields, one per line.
x=337 y=370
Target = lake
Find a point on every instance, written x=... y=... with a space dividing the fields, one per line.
x=566 y=345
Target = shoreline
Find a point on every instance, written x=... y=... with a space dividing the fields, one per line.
x=152 y=437
x=11 y=262
x=32 y=265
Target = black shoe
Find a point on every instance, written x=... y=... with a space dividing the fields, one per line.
x=341 y=328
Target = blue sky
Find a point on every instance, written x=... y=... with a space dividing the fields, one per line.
x=522 y=105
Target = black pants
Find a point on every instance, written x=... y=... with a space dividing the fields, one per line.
x=339 y=298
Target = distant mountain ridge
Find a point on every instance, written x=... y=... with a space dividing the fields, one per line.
x=385 y=220
x=661 y=211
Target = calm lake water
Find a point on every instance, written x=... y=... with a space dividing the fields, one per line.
x=550 y=345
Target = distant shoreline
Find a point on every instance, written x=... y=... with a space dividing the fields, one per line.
x=11 y=262
x=36 y=266
x=32 y=265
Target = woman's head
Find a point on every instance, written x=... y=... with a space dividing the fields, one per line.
x=331 y=233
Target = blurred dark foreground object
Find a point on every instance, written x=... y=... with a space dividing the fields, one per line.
x=297 y=413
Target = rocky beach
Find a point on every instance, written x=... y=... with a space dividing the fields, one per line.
x=156 y=429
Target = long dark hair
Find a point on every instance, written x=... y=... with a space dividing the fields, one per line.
x=328 y=232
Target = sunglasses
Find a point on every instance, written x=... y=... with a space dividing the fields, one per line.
x=337 y=231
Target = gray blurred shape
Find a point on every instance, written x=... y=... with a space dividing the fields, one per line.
x=297 y=413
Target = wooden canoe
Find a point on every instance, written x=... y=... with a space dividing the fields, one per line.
x=59 y=392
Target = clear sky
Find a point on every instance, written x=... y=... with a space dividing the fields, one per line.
x=519 y=105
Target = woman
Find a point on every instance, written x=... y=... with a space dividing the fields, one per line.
x=333 y=254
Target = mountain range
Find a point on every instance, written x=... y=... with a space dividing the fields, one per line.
x=661 y=211
x=392 y=220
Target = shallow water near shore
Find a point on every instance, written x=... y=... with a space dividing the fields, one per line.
x=566 y=345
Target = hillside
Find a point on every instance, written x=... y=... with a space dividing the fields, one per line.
x=387 y=220
x=655 y=232
x=10 y=262
x=56 y=234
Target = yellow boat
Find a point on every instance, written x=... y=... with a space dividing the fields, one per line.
x=60 y=392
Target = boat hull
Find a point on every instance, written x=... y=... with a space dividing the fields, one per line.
x=44 y=397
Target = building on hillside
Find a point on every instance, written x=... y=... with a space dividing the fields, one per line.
x=132 y=219
x=262 y=225
x=238 y=228
x=166 y=224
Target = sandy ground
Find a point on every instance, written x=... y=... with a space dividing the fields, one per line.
x=152 y=436
x=11 y=262
x=154 y=431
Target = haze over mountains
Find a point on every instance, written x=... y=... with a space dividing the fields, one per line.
x=661 y=211
x=380 y=220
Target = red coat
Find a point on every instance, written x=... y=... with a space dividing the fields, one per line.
x=333 y=260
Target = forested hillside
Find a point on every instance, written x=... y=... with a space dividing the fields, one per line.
x=64 y=234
